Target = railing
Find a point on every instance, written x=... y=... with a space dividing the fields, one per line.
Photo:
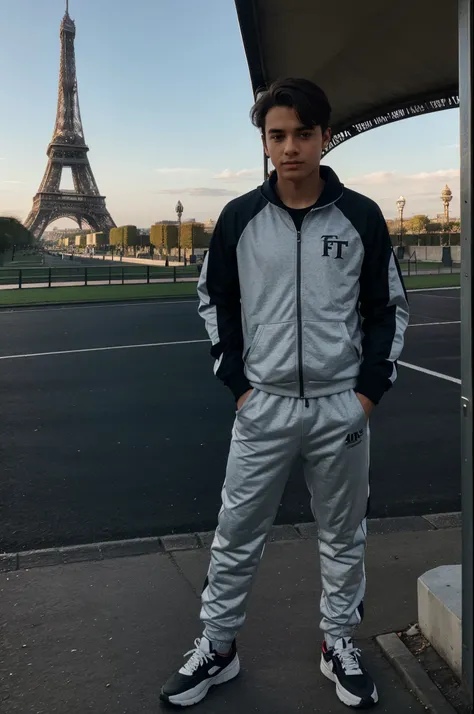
x=411 y=259
x=413 y=266
x=104 y=275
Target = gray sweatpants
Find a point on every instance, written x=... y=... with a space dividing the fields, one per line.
x=270 y=432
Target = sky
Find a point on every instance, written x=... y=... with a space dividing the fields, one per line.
x=165 y=96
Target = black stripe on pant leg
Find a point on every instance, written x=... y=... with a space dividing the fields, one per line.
x=206 y=583
x=360 y=610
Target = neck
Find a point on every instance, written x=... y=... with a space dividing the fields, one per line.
x=300 y=194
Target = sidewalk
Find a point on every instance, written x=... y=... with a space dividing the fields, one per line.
x=103 y=636
x=128 y=259
x=91 y=283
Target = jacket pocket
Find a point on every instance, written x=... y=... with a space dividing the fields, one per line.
x=272 y=354
x=328 y=352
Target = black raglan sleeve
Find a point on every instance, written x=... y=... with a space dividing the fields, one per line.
x=219 y=304
x=383 y=307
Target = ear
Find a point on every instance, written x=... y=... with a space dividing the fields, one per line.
x=327 y=138
x=265 y=146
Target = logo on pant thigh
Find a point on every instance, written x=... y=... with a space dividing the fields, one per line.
x=354 y=439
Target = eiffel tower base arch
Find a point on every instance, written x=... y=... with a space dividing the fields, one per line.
x=90 y=211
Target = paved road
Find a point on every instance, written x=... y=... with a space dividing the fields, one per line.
x=132 y=442
x=104 y=636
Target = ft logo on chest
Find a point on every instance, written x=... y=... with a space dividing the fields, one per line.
x=332 y=247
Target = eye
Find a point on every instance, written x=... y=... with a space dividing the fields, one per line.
x=277 y=137
x=306 y=134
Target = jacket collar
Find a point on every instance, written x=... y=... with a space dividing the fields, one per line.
x=332 y=191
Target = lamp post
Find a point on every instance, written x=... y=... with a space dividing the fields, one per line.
x=179 y=210
x=401 y=205
x=446 y=197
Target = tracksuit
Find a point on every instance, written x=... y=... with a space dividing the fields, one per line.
x=306 y=310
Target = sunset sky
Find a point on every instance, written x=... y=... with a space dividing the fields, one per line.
x=165 y=95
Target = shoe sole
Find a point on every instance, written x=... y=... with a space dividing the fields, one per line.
x=350 y=700
x=198 y=693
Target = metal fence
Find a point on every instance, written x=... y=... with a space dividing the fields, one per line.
x=412 y=266
x=124 y=273
x=99 y=275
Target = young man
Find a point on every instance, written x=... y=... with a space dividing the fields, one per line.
x=306 y=310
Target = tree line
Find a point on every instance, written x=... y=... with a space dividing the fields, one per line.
x=13 y=235
x=163 y=237
x=421 y=224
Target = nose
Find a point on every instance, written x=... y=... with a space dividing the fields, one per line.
x=290 y=146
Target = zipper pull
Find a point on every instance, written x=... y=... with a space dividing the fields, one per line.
x=298 y=237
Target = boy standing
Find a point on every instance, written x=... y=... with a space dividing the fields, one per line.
x=306 y=310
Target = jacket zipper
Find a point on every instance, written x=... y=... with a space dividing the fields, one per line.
x=298 y=313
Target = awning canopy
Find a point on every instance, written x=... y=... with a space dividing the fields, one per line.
x=379 y=61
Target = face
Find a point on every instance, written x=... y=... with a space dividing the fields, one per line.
x=295 y=150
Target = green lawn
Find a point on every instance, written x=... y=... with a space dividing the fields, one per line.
x=97 y=293
x=423 y=265
x=432 y=281
x=23 y=261
x=76 y=272
x=102 y=293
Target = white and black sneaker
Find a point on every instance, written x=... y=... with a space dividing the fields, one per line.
x=342 y=664
x=204 y=669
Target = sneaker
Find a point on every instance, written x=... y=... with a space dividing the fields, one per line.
x=342 y=664
x=204 y=669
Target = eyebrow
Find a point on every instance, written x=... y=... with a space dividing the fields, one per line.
x=298 y=128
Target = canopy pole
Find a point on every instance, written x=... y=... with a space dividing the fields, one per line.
x=466 y=75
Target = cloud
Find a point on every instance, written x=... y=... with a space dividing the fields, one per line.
x=8 y=181
x=178 y=170
x=373 y=179
x=204 y=191
x=442 y=175
x=379 y=177
x=243 y=174
x=422 y=190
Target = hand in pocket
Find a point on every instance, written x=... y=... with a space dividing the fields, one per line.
x=367 y=404
x=241 y=401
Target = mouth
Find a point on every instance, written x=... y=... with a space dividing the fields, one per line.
x=292 y=164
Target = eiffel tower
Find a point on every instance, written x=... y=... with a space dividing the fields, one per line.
x=68 y=148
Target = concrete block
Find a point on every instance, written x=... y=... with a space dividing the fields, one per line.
x=413 y=674
x=283 y=533
x=185 y=541
x=400 y=524
x=39 y=558
x=80 y=553
x=206 y=539
x=307 y=530
x=127 y=548
x=445 y=520
x=8 y=562
x=440 y=612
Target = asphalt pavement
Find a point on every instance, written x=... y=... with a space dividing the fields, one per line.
x=104 y=636
x=114 y=426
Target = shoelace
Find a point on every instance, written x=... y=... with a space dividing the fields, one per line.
x=198 y=658
x=349 y=658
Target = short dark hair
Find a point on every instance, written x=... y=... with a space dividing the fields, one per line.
x=306 y=98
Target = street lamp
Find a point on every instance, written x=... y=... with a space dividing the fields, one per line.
x=179 y=210
x=401 y=205
x=446 y=197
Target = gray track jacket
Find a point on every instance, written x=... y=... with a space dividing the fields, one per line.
x=304 y=314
